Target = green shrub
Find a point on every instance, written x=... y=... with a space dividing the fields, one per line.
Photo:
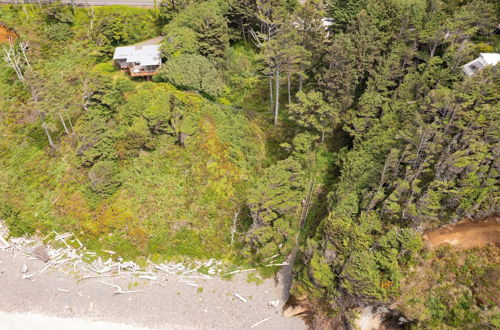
x=193 y=72
x=104 y=177
x=58 y=32
x=178 y=41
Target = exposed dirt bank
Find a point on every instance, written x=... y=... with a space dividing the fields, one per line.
x=6 y=33
x=466 y=234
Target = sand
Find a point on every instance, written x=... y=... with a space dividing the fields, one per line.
x=56 y=300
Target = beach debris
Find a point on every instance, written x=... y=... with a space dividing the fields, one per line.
x=100 y=267
x=119 y=289
x=91 y=306
x=67 y=253
x=97 y=276
x=24 y=272
x=260 y=322
x=148 y=277
x=271 y=258
x=200 y=276
x=170 y=268
x=62 y=238
x=274 y=303
x=191 y=270
x=40 y=252
x=6 y=244
x=276 y=265
x=240 y=271
x=241 y=298
x=4 y=232
x=63 y=290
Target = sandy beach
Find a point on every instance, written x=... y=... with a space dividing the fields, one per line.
x=55 y=299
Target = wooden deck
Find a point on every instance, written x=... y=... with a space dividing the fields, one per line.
x=144 y=73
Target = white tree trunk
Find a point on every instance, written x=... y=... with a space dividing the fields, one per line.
x=271 y=92
x=288 y=83
x=64 y=124
x=277 y=96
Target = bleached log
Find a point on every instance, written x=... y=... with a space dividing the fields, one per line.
x=62 y=239
x=119 y=289
x=97 y=276
x=201 y=277
x=272 y=257
x=274 y=303
x=4 y=242
x=24 y=269
x=260 y=322
x=148 y=277
x=50 y=264
x=240 y=271
x=241 y=298
x=247 y=270
x=27 y=277
x=192 y=270
x=63 y=290
x=276 y=265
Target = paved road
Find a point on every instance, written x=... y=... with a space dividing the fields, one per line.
x=135 y=3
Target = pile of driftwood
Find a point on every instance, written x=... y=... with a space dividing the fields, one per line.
x=67 y=253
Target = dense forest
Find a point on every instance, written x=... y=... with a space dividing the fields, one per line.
x=269 y=130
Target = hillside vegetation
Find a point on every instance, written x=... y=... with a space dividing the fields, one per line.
x=266 y=130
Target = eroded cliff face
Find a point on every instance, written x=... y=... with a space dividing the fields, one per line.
x=455 y=255
x=7 y=34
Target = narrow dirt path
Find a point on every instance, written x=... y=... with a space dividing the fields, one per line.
x=466 y=234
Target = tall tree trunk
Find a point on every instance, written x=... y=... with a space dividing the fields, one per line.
x=243 y=30
x=47 y=132
x=271 y=92
x=288 y=85
x=70 y=124
x=277 y=96
x=301 y=77
x=64 y=124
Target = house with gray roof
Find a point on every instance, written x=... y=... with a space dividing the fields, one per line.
x=139 y=60
x=479 y=63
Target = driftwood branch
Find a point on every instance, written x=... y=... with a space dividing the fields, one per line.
x=260 y=322
x=119 y=289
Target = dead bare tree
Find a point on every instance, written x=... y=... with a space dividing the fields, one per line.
x=14 y=59
x=233 y=228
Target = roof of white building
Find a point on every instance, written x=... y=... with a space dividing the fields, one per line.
x=144 y=55
x=490 y=58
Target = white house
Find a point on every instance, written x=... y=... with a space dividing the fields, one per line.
x=479 y=63
x=139 y=60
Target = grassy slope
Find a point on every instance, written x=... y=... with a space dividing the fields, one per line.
x=174 y=200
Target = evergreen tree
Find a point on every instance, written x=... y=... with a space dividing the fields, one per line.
x=312 y=112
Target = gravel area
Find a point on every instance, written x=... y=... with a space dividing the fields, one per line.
x=55 y=299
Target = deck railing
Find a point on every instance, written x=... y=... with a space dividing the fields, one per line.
x=143 y=73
